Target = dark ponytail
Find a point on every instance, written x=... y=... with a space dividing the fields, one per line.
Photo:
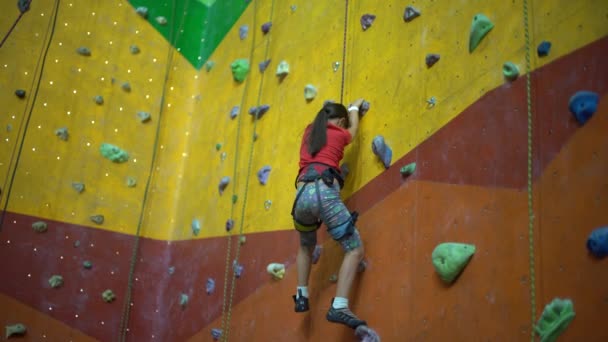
x=318 y=134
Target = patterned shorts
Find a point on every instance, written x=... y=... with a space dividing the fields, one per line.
x=332 y=212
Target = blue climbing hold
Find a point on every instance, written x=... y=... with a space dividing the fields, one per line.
x=263 y=174
x=543 y=48
x=223 y=184
x=382 y=150
x=597 y=243
x=258 y=111
x=583 y=105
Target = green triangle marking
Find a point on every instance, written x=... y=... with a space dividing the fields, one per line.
x=194 y=27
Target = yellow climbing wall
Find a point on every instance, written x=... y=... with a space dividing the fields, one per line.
x=173 y=157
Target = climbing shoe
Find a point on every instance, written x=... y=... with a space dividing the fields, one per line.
x=344 y=316
x=301 y=302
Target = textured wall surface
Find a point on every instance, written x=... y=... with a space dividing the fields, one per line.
x=471 y=150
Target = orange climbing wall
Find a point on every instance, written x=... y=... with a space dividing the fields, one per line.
x=480 y=200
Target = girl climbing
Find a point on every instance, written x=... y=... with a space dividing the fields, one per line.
x=318 y=201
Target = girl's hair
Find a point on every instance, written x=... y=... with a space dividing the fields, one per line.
x=318 y=135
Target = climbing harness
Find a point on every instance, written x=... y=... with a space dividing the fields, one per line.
x=530 y=189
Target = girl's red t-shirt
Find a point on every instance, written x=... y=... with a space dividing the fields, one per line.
x=331 y=154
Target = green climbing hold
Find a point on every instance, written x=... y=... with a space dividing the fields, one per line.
x=479 y=28
x=556 y=317
x=56 y=281
x=234 y=198
x=510 y=70
x=218 y=146
x=450 y=259
x=39 y=226
x=113 y=153
x=87 y=264
x=15 y=330
x=108 y=296
x=408 y=169
x=131 y=182
x=240 y=68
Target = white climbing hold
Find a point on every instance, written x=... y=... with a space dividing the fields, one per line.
x=276 y=270
x=283 y=69
x=310 y=92
x=161 y=20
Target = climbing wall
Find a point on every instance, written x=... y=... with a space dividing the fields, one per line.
x=132 y=209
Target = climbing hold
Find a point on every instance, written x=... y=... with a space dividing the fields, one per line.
x=142 y=11
x=263 y=65
x=366 y=334
x=364 y=108
x=229 y=224
x=161 y=20
x=310 y=92
x=543 y=48
x=234 y=198
x=382 y=150
x=98 y=99
x=113 y=153
x=335 y=66
x=243 y=31
x=238 y=269
x=480 y=27
x=134 y=49
x=210 y=286
x=131 y=182
x=234 y=112
x=258 y=111
x=23 y=5
x=276 y=270
x=20 y=93
x=408 y=169
x=267 y=204
x=554 y=320
x=62 y=133
x=316 y=254
x=196 y=227
x=367 y=21
x=410 y=13
x=216 y=333
x=333 y=278
x=76 y=244
x=218 y=146
x=143 y=116
x=87 y=264
x=240 y=68
x=56 y=281
x=510 y=70
x=223 y=184
x=597 y=243
x=431 y=102
x=266 y=27
x=126 y=86
x=183 y=299
x=362 y=266
x=171 y=270
x=293 y=8
x=223 y=156
x=84 y=51
x=263 y=174
x=39 y=226
x=108 y=296
x=97 y=219
x=79 y=187
x=209 y=65
x=282 y=69
x=345 y=170
x=15 y=329
x=583 y=104
x=450 y=259
x=242 y=239
x=431 y=59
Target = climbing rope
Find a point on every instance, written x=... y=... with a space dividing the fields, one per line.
x=530 y=189
x=344 y=51
x=40 y=64
x=124 y=319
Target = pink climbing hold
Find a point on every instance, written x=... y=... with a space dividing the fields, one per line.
x=366 y=334
x=367 y=20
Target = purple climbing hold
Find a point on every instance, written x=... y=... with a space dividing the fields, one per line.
x=263 y=65
x=410 y=14
x=259 y=110
x=224 y=183
x=316 y=254
x=234 y=112
x=263 y=174
x=229 y=225
x=243 y=31
x=382 y=150
x=216 y=333
x=597 y=243
x=266 y=27
x=583 y=105
x=367 y=20
x=345 y=170
x=210 y=286
x=431 y=59
x=238 y=269
x=364 y=108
